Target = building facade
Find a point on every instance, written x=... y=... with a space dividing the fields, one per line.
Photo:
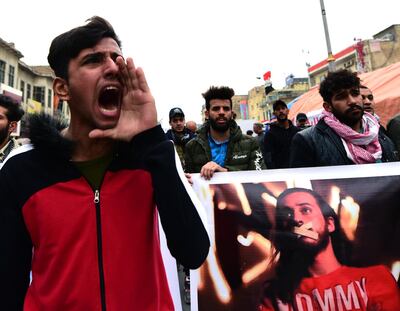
x=31 y=86
x=363 y=56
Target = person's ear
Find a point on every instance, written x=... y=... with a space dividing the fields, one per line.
x=327 y=106
x=207 y=114
x=331 y=224
x=60 y=87
x=12 y=126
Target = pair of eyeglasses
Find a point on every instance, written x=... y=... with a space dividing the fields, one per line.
x=370 y=96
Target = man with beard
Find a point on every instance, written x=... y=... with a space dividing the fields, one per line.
x=310 y=273
x=278 y=139
x=10 y=114
x=220 y=145
x=344 y=134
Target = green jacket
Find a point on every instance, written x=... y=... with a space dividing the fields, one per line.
x=243 y=151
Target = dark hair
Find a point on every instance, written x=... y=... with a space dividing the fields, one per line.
x=364 y=87
x=14 y=111
x=326 y=210
x=277 y=103
x=293 y=265
x=68 y=45
x=214 y=92
x=337 y=81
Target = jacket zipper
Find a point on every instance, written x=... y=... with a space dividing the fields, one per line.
x=100 y=249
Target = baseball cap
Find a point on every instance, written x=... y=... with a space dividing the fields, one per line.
x=301 y=117
x=278 y=103
x=174 y=112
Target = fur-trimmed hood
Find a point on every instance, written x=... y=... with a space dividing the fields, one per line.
x=44 y=132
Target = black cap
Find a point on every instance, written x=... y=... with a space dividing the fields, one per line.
x=175 y=112
x=301 y=117
x=277 y=103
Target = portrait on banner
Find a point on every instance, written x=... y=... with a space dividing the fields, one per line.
x=302 y=239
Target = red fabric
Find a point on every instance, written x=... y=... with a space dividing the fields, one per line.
x=348 y=288
x=62 y=223
x=267 y=75
x=363 y=147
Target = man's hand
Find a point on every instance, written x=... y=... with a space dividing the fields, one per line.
x=138 y=110
x=208 y=169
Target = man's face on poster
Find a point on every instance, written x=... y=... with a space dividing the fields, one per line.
x=303 y=212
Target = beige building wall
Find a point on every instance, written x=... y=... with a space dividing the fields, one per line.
x=384 y=49
x=236 y=101
x=10 y=56
x=381 y=51
x=256 y=97
x=27 y=78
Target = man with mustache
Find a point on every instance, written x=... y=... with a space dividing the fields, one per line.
x=344 y=134
x=220 y=145
x=10 y=114
x=278 y=139
x=311 y=271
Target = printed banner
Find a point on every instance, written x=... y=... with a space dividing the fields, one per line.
x=329 y=243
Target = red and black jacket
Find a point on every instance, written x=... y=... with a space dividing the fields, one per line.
x=98 y=249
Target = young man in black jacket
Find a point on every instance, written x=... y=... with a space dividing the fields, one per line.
x=344 y=134
x=278 y=139
x=178 y=132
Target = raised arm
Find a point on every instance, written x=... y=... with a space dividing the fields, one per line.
x=187 y=238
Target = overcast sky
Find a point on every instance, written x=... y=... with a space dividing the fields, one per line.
x=185 y=46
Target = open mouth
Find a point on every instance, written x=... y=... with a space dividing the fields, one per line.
x=110 y=100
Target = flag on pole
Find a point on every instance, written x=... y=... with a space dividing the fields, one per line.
x=267 y=75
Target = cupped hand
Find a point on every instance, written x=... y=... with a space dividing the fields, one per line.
x=138 y=110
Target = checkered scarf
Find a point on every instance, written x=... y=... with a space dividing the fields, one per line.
x=360 y=147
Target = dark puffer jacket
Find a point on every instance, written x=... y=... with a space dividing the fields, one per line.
x=321 y=146
x=243 y=151
x=277 y=145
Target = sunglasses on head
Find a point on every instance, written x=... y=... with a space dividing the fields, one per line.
x=370 y=96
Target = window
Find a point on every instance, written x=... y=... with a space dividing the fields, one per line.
x=2 y=71
x=28 y=91
x=38 y=94
x=22 y=88
x=11 y=76
x=49 y=96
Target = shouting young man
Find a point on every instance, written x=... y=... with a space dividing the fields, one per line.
x=79 y=208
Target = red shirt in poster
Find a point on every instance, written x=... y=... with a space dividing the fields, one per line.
x=347 y=288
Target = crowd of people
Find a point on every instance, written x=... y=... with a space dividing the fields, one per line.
x=78 y=206
x=348 y=132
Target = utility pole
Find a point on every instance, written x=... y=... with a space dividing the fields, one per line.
x=331 y=59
